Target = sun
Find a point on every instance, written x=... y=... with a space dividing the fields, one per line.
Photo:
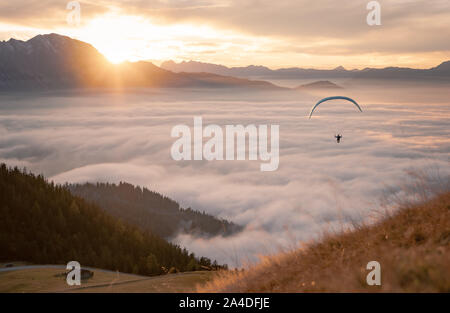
x=115 y=57
x=123 y=38
x=117 y=37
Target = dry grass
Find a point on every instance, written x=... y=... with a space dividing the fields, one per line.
x=411 y=245
x=171 y=283
x=45 y=280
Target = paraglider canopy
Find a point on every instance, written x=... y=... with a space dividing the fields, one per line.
x=334 y=98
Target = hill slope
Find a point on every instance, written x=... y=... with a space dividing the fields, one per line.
x=45 y=224
x=152 y=211
x=412 y=247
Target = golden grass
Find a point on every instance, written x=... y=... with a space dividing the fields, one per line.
x=171 y=283
x=412 y=246
x=44 y=280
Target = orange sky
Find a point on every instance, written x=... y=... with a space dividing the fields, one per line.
x=282 y=33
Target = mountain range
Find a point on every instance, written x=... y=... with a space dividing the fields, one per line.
x=59 y=62
x=440 y=72
x=55 y=61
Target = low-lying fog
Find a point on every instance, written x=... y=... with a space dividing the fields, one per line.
x=319 y=183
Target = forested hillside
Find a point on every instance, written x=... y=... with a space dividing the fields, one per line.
x=44 y=223
x=152 y=211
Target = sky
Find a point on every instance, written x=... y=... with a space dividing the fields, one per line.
x=319 y=184
x=282 y=33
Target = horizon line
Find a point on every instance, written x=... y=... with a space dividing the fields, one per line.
x=160 y=62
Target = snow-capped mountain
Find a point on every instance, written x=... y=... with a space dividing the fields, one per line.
x=47 y=61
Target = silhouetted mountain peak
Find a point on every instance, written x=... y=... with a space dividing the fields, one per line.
x=444 y=66
x=168 y=63
x=259 y=67
x=323 y=84
x=50 y=38
x=50 y=42
x=340 y=68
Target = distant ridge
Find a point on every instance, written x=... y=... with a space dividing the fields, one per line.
x=152 y=211
x=323 y=84
x=440 y=72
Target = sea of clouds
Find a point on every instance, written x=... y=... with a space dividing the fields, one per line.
x=319 y=184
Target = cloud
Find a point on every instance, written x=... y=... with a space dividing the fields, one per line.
x=338 y=24
x=325 y=33
x=319 y=184
x=46 y=14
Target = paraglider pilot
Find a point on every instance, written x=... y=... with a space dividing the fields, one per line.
x=338 y=136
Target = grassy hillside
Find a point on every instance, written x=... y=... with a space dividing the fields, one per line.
x=412 y=247
x=43 y=223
